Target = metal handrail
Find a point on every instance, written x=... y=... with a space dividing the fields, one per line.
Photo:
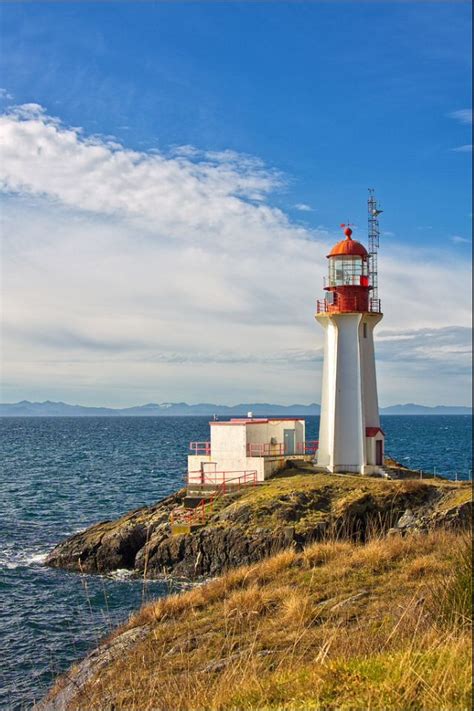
x=267 y=449
x=200 y=447
x=375 y=306
x=264 y=449
x=243 y=478
x=323 y=306
x=205 y=507
x=307 y=447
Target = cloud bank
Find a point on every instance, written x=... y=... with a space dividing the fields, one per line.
x=132 y=276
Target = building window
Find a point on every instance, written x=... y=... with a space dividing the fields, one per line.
x=365 y=330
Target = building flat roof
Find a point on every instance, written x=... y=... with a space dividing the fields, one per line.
x=255 y=420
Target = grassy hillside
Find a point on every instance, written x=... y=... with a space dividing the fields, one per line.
x=302 y=499
x=295 y=508
x=383 y=624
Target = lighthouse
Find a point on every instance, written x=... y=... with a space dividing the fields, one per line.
x=350 y=437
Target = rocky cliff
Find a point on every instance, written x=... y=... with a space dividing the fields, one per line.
x=291 y=510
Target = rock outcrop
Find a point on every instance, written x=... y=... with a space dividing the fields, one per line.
x=68 y=686
x=111 y=545
x=252 y=524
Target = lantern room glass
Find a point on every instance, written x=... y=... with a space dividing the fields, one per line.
x=348 y=270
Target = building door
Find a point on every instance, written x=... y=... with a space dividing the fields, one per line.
x=379 y=452
x=289 y=441
x=208 y=472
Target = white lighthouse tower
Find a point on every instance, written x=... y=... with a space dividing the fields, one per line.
x=350 y=438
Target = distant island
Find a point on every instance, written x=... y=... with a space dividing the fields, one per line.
x=25 y=408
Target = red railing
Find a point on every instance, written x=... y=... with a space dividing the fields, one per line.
x=265 y=449
x=223 y=479
x=200 y=447
x=189 y=517
x=310 y=446
x=205 y=508
x=323 y=306
x=278 y=450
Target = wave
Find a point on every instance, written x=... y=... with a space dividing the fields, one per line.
x=11 y=559
x=122 y=574
x=36 y=558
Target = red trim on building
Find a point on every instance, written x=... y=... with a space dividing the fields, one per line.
x=256 y=421
x=347 y=299
x=372 y=431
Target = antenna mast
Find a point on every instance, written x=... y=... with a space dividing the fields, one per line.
x=374 y=234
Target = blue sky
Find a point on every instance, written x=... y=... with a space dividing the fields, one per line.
x=289 y=111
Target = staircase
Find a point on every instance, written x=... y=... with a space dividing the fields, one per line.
x=198 y=509
x=194 y=514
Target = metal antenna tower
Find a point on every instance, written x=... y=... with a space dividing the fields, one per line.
x=374 y=235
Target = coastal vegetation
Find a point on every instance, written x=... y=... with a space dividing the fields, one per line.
x=380 y=623
x=326 y=592
x=294 y=509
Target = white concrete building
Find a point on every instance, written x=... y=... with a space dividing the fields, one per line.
x=247 y=450
x=350 y=438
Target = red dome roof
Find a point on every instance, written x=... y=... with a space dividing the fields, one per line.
x=348 y=247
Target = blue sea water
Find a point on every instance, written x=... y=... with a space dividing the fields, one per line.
x=58 y=475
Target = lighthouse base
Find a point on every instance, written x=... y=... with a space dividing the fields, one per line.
x=365 y=469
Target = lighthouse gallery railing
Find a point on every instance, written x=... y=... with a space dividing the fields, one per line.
x=350 y=306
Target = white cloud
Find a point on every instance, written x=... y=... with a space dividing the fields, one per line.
x=433 y=363
x=4 y=95
x=302 y=207
x=425 y=345
x=133 y=276
x=188 y=196
x=462 y=115
x=457 y=239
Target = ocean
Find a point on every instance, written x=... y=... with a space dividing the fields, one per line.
x=59 y=475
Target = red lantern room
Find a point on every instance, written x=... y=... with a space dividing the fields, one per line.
x=347 y=285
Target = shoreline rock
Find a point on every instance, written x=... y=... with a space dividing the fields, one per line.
x=249 y=526
x=110 y=545
x=68 y=686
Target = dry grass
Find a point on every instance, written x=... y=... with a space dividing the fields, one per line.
x=270 y=568
x=452 y=599
x=426 y=565
x=281 y=500
x=297 y=607
x=338 y=626
x=322 y=553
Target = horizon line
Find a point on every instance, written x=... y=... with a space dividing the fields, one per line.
x=165 y=404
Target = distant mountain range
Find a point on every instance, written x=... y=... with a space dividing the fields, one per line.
x=62 y=409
